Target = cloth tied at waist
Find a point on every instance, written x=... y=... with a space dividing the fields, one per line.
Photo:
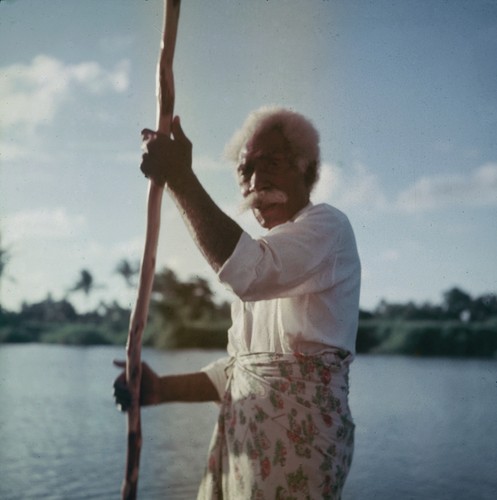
x=284 y=429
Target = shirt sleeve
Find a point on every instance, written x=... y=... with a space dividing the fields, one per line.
x=217 y=373
x=292 y=259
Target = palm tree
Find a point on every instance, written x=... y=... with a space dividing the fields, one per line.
x=4 y=259
x=85 y=283
x=128 y=270
x=5 y=256
x=457 y=303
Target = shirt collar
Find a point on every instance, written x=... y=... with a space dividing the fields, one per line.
x=302 y=211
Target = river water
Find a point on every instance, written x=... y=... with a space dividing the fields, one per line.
x=426 y=428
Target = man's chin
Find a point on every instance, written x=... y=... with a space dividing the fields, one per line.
x=269 y=215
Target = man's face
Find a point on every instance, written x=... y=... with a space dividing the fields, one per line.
x=273 y=186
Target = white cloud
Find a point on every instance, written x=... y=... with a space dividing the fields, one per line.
x=32 y=93
x=10 y=151
x=96 y=79
x=357 y=187
x=389 y=255
x=325 y=186
x=131 y=249
x=208 y=164
x=477 y=188
x=42 y=224
x=349 y=188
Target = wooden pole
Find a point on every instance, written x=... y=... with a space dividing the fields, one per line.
x=138 y=320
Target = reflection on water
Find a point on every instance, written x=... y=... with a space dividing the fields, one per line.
x=62 y=438
x=426 y=428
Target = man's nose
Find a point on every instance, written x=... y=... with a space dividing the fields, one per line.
x=258 y=179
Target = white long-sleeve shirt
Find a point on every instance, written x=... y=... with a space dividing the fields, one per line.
x=297 y=288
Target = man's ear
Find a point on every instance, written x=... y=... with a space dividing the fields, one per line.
x=310 y=174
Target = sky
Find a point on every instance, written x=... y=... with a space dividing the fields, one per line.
x=403 y=93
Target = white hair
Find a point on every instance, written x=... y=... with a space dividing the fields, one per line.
x=298 y=131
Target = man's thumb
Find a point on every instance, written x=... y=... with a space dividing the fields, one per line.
x=177 y=131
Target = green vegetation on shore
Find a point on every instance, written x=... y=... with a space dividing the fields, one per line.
x=428 y=338
x=184 y=315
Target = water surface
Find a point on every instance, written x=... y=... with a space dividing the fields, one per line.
x=426 y=428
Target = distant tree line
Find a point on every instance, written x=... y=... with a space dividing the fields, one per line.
x=456 y=305
x=184 y=314
x=460 y=326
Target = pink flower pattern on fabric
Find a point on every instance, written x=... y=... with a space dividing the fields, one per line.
x=284 y=430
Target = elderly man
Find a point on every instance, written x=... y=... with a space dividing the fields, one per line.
x=285 y=428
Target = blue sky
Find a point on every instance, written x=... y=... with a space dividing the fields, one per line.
x=404 y=94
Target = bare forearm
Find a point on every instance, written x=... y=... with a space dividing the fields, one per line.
x=190 y=387
x=169 y=162
x=213 y=231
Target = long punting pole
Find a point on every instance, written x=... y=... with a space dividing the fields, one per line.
x=138 y=321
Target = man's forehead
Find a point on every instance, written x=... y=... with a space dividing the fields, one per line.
x=271 y=142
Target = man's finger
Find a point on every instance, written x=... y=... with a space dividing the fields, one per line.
x=177 y=131
x=119 y=363
x=145 y=171
x=151 y=169
x=122 y=408
x=122 y=397
x=148 y=134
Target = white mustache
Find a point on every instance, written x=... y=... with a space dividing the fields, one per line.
x=262 y=198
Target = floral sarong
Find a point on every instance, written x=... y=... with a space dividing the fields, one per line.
x=284 y=430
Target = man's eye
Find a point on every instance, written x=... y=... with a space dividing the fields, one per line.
x=245 y=171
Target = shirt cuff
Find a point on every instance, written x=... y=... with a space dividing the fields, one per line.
x=239 y=270
x=216 y=371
